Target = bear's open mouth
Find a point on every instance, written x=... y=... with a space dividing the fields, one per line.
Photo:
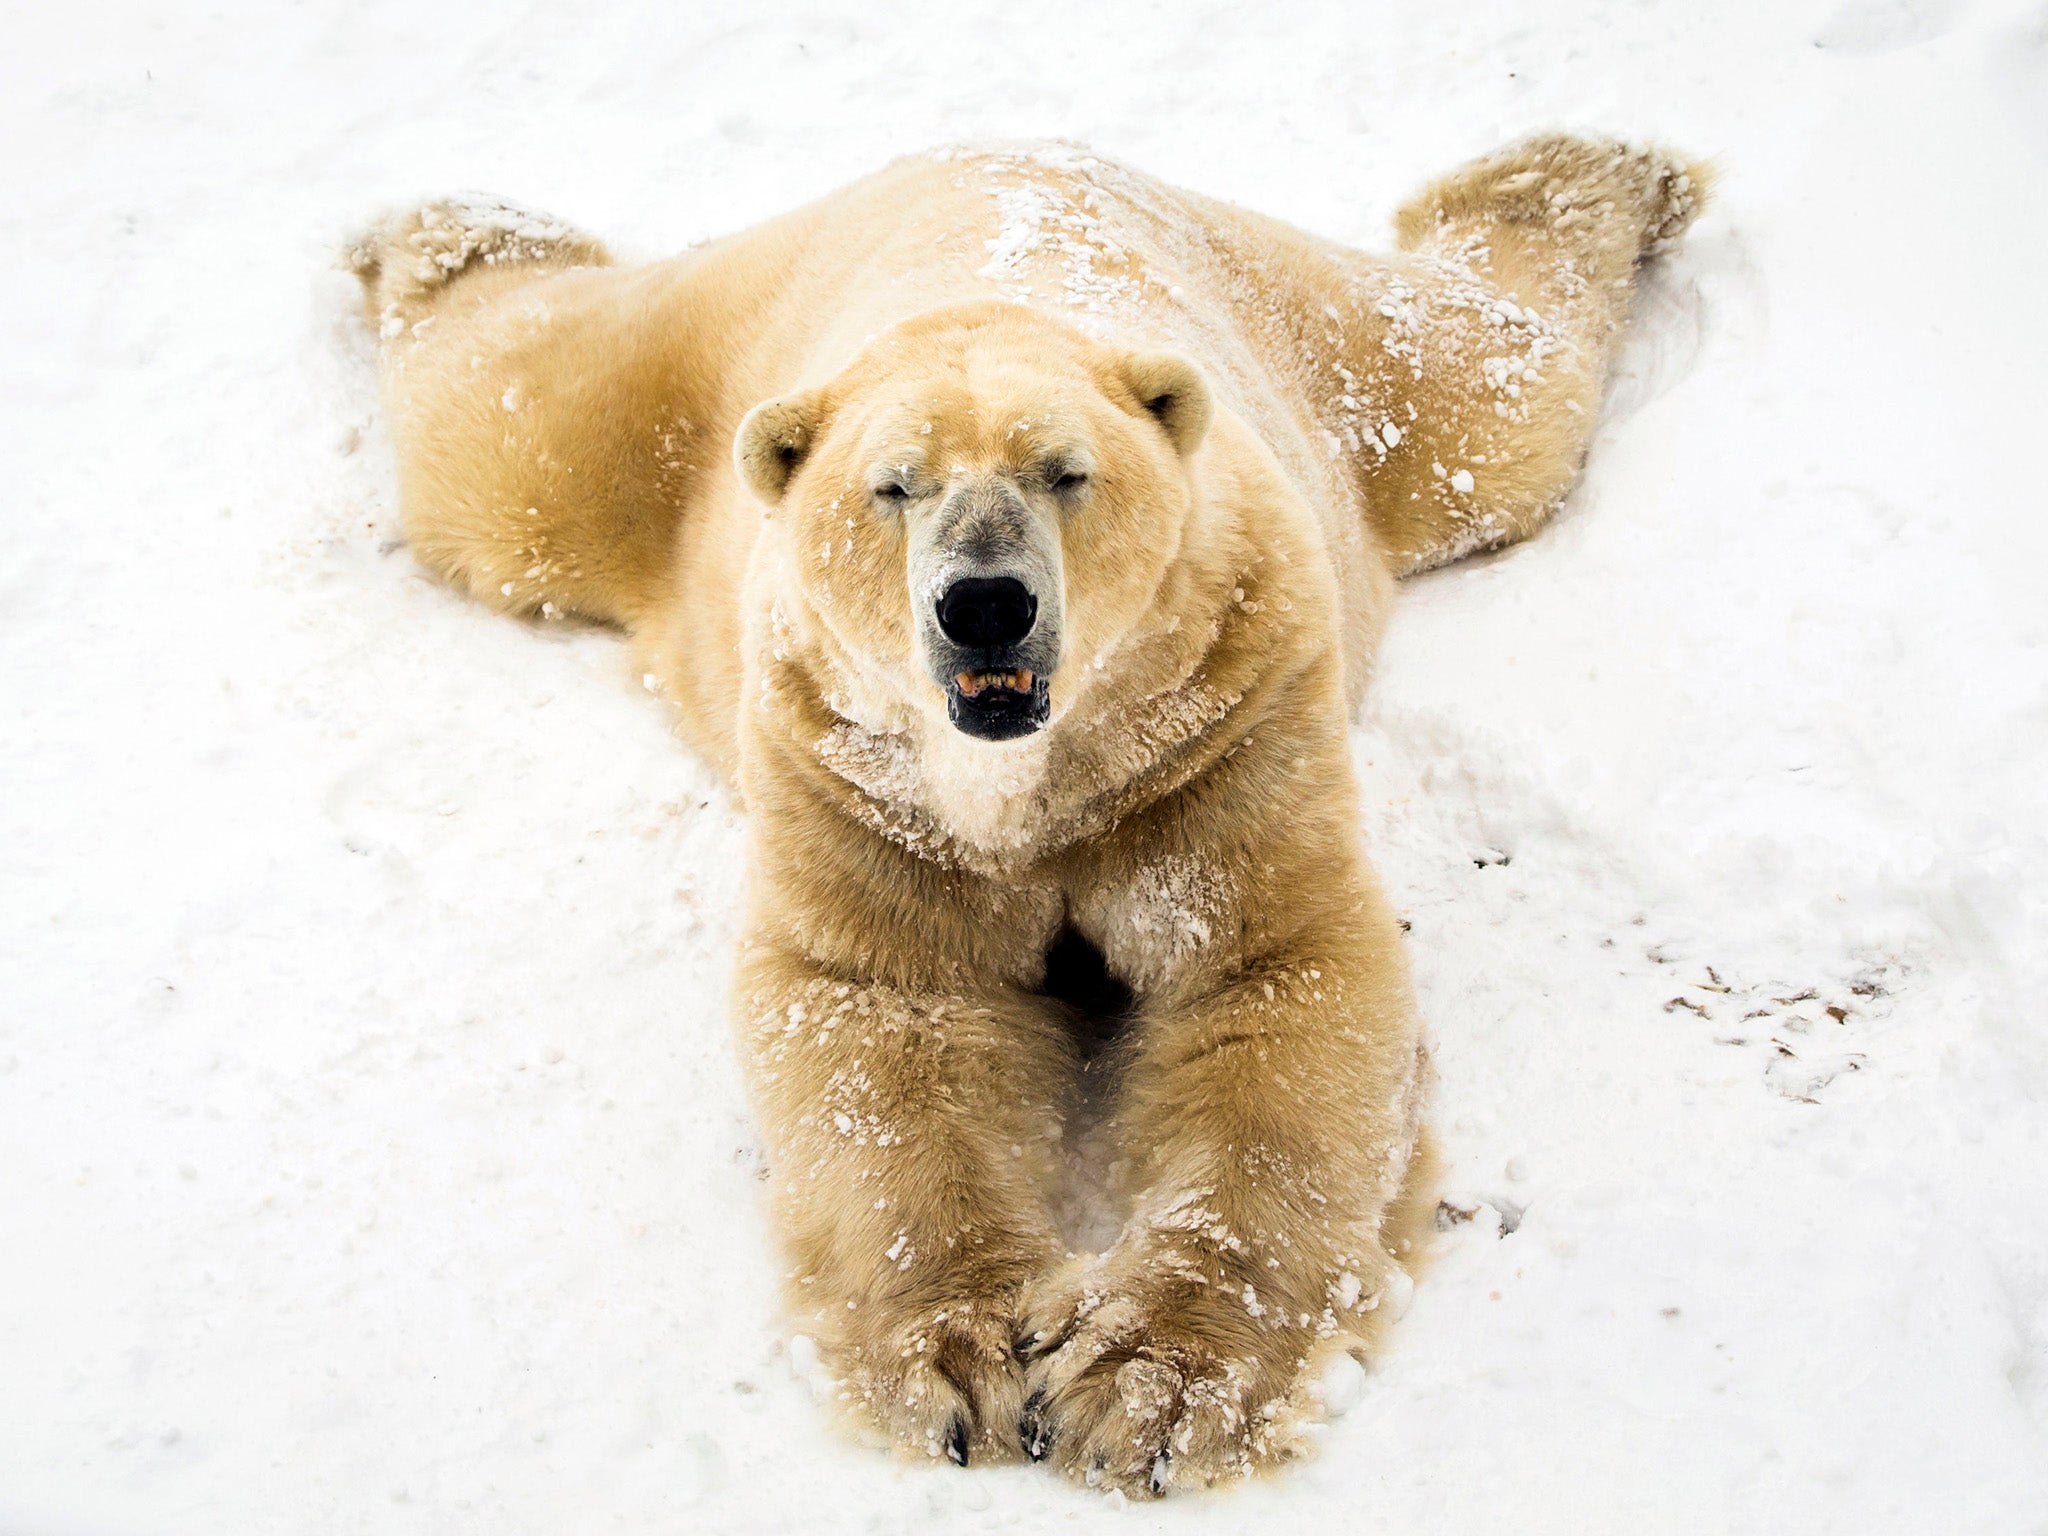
x=998 y=706
x=974 y=684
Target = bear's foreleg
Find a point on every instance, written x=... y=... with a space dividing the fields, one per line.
x=1271 y=1117
x=910 y=1134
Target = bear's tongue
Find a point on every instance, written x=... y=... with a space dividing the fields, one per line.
x=974 y=683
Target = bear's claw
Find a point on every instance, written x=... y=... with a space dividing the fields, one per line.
x=1033 y=1429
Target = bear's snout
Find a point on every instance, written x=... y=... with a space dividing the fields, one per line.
x=991 y=655
x=987 y=611
x=988 y=589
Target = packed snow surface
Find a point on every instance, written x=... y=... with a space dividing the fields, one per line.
x=372 y=1155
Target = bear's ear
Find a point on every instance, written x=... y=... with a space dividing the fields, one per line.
x=773 y=439
x=1174 y=391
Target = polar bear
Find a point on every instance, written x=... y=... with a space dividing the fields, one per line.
x=1016 y=530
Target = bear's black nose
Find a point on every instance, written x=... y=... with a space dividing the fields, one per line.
x=985 y=611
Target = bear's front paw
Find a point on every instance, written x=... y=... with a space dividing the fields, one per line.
x=1147 y=1382
x=942 y=1383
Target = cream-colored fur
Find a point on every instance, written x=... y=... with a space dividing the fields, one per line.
x=1273 y=428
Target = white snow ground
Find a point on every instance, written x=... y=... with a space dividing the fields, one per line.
x=371 y=1156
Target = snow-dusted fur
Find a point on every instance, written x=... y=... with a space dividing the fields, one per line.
x=1276 y=427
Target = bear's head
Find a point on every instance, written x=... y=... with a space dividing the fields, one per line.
x=980 y=506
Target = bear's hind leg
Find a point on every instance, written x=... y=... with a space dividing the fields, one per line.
x=1506 y=319
x=540 y=439
x=407 y=260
